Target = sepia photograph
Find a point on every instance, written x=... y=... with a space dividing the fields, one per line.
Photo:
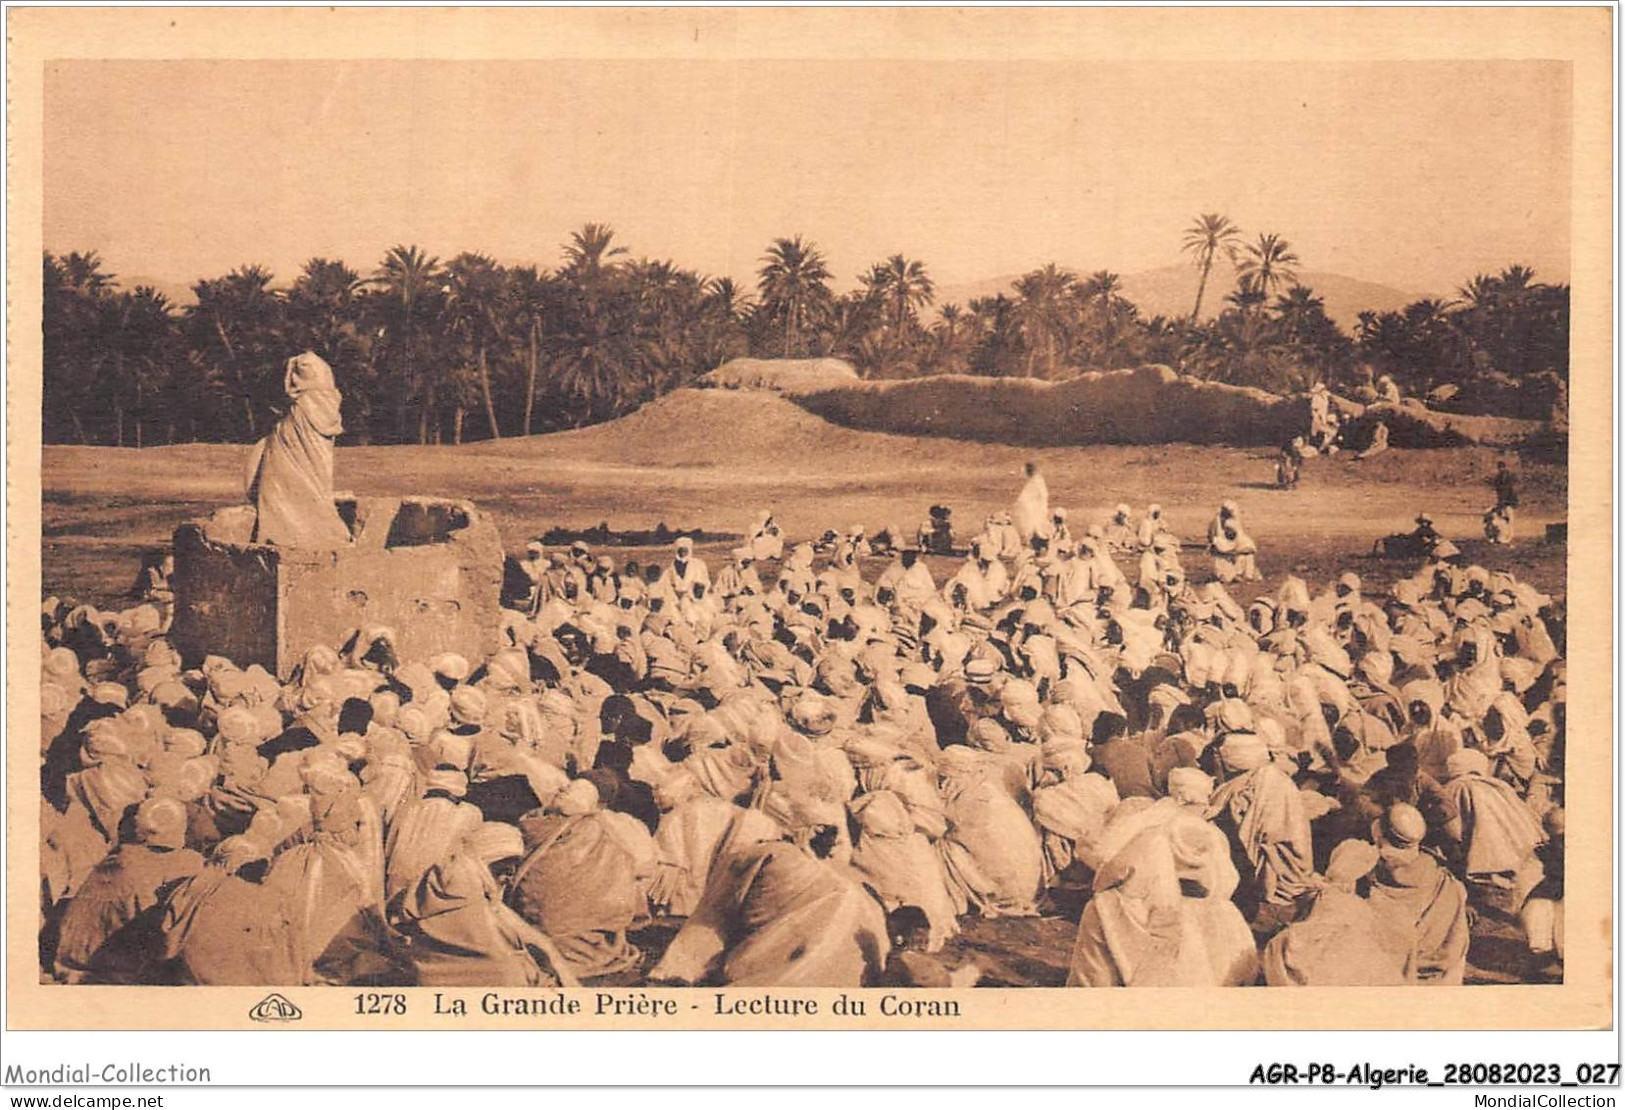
x=732 y=521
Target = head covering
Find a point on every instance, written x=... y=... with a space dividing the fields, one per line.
x=1066 y=749
x=1018 y=691
x=494 y=841
x=1189 y=786
x=989 y=735
x=447 y=781
x=110 y=693
x=1351 y=861
x=919 y=676
x=172 y=694
x=414 y=722
x=104 y=739
x=813 y=714
x=468 y=705
x=187 y=743
x=1060 y=721
x=54 y=701
x=1027 y=714
x=1235 y=715
x=451 y=750
x=63 y=665
x=386 y=707
x=450 y=665
x=325 y=772
x=579 y=797
x=1467 y=761
x=1402 y=825
x=237 y=852
x=980 y=671
x=318 y=691
x=161 y=823
x=1244 y=751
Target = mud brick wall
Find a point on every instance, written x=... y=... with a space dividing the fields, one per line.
x=430 y=569
x=1146 y=405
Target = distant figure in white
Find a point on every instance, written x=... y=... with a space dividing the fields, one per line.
x=1235 y=555
x=1032 y=515
x=290 y=471
x=1379 y=442
x=766 y=539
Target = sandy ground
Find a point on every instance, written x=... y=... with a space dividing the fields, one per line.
x=712 y=458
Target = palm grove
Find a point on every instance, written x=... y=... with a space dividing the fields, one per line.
x=439 y=351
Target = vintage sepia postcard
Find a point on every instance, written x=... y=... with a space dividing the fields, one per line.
x=810 y=519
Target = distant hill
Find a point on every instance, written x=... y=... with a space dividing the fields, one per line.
x=1170 y=291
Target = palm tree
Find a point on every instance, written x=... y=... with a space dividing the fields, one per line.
x=950 y=332
x=75 y=350
x=238 y=328
x=1107 y=319
x=1294 y=307
x=1204 y=239
x=477 y=311
x=1480 y=292
x=1241 y=348
x=1101 y=287
x=722 y=311
x=409 y=281
x=598 y=356
x=905 y=286
x=145 y=332
x=587 y=255
x=1516 y=277
x=1267 y=264
x=528 y=292
x=794 y=286
x=723 y=296
x=995 y=333
x=83 y=273
x=668 y=301
x=322 y=306
x=1041 y=313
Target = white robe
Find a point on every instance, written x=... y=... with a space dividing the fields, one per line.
x=1031 y=515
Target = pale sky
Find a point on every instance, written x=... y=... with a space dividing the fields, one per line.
x=1416 y=174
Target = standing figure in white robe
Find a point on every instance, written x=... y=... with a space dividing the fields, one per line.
x=1031 y=515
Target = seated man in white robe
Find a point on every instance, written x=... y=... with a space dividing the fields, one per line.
x=983 y=577
x=677 y=581
x=909 y=580
x=765 y=540
x=1121 y=533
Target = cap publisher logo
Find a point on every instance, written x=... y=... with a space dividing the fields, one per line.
x=273 y=1007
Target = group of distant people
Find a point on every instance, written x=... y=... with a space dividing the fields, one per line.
x=814 y=772
x=1327 y=434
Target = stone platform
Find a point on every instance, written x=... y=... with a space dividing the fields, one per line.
x=429 y=568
